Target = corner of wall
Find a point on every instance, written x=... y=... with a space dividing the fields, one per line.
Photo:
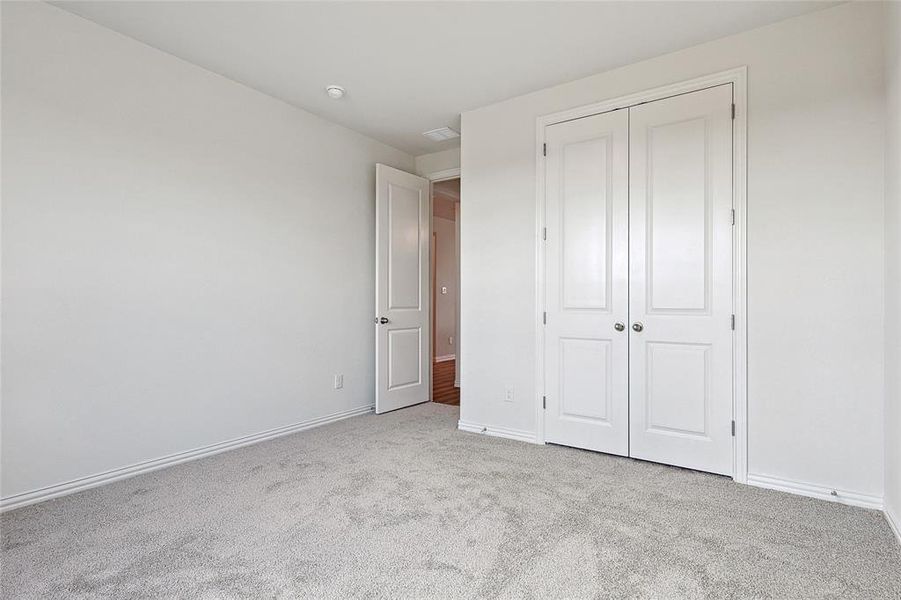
x=894 y=522
x=893 y=267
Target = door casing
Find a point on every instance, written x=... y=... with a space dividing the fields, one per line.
x=737 y=77
x=435 y=177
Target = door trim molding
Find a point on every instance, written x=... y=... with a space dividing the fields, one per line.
x=738 y=78
x=435 y=177
x=443 y=175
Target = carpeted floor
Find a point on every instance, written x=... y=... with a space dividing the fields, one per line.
x=406 y=506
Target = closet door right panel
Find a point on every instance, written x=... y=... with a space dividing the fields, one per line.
x=680 y=290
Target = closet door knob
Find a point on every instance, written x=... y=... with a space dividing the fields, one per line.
x=619 y=326
x=636 y=326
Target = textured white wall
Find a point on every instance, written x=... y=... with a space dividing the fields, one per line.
x=815 y=231
x=426 y=164
x=893 y=263
x=445 y=275
x=185 y=260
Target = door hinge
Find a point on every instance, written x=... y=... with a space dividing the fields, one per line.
x=544 y=234
x=733 y=428
x=544 y=149
x=544 y=318
x=544 y=402
x=733 y=111
x=733 y=216
x=732 y=322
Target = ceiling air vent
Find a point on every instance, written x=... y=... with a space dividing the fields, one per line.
x=441 y=134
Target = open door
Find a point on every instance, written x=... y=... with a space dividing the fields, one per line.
x=402 y=342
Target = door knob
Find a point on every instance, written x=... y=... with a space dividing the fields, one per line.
x=382 y=320
x=619 y=326
x=636 y=326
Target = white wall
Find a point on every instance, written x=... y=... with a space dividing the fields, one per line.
x=445 y=276
x=815 y=229
x=893 y=265
x=185 y=260
x=427 y=164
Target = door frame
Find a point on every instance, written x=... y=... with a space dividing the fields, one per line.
x=433 y=281
x=738 y=78
x=434 y=178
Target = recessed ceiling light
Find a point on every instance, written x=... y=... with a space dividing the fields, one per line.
x=335 y=92
x=441 y=134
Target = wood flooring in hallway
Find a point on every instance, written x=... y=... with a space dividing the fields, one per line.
x=443 y=390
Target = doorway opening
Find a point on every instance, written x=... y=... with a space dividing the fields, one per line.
x=445 y=288
x=417 y=295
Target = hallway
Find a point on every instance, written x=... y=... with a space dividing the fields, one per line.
x=443 y=390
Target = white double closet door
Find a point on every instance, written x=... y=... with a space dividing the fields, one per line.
x=638 y=271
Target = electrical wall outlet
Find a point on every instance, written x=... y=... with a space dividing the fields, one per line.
x=508 y=393
x=339 y=381
x=450 y=340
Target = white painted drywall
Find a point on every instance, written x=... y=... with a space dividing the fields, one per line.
x=815 y=229
x=185 y=260
x=427 y=164
x=893 y=263
x=445 y=276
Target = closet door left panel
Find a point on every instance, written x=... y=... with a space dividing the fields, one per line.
x=586 y=262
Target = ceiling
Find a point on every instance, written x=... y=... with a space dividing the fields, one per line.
x=410 y=67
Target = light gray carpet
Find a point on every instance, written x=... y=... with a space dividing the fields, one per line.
x=404 y=505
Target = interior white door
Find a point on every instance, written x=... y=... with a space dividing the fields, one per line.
x=681 y=280
x=586 y=270
x=402 y=369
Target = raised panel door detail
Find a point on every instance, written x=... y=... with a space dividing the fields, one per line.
x=678 y=388
x=677 y=216
x=586 y=269
x=404 y=219
x=402 y=373
x=585 y=367
x=680 y=280
x=585 y=221
x=404 y=351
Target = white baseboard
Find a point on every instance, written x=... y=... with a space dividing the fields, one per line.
x=445 y=358
x=816 y=491
x=504 y=432
x=84 y=483
x=894 y=522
